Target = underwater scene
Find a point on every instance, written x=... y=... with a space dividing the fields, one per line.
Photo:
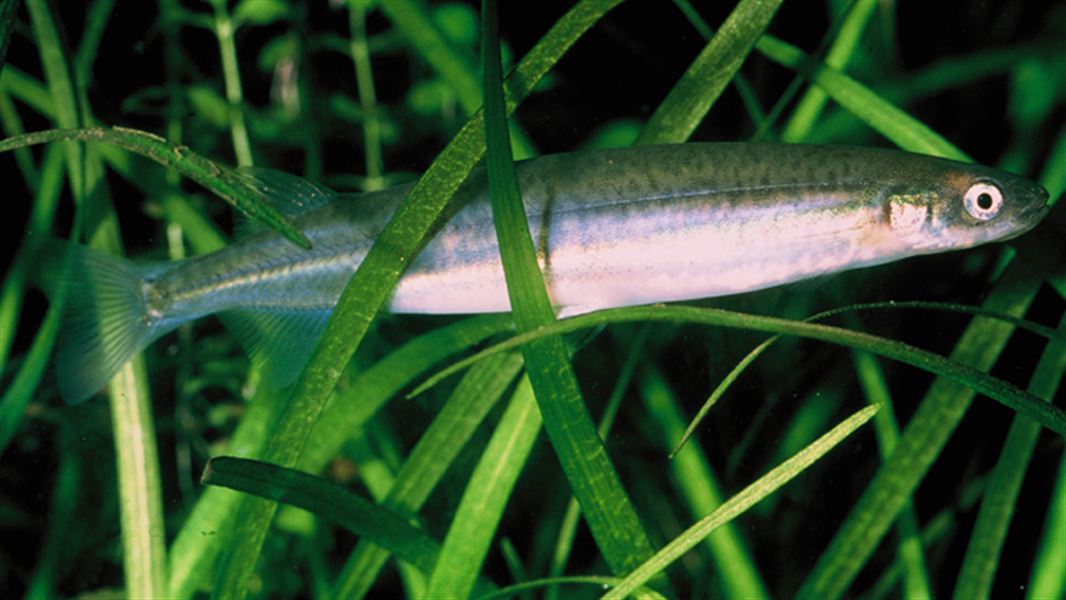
x=598 y=298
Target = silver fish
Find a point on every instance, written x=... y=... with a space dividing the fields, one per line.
x=612 y=228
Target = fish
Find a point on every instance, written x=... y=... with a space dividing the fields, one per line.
x=611 y=228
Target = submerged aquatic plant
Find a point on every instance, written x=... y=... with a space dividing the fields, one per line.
x=950 y=495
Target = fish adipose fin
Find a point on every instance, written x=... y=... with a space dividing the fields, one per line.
x=105 y=321
x=278 y=342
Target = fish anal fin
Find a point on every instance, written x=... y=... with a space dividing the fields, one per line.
x=279 y=343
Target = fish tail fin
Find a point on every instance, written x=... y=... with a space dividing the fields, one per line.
x=105 y=320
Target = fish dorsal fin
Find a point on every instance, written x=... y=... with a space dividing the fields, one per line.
x=290 y=195
x=279 y=343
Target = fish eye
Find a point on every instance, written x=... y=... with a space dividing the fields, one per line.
x=983 y=200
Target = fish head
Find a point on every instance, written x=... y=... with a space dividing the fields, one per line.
x=965 y=206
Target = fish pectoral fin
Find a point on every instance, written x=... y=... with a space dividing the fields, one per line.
x=279 y=343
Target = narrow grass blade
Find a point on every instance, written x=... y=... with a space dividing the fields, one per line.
x=217 y=178
x=750 y=358
x=373 y=282
x=593 y=478
x=688 y=102
x=1001 y=494
x=481 y=508
x=325 y=498
x=956 y=369
x=739 y=503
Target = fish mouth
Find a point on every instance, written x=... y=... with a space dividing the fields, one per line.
x=1032 y=214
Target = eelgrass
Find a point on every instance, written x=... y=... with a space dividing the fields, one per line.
x=452 y=482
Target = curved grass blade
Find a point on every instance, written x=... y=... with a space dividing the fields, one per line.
x=688 y=102
x=373 y=282
x=217 y=178
x=1001 y=494
x=748 y=359
x=739 y=503
x=327 y=499
x=582 y=454
x=599 y=581
x=1052 y=417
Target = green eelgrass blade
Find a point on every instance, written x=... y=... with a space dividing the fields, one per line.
x=327 y=499
x=956 y=370
x=810 y=105
x=372 y=284
x=688 y=102
x=220 y=180
x=697 y=484
x=1001 y=494
x=485 y=497
x=437 y=448
x=925 y=435
x=599 y=581
x=582 y=454
x=739 y=503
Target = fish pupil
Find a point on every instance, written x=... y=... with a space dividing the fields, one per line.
x=984 y=201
